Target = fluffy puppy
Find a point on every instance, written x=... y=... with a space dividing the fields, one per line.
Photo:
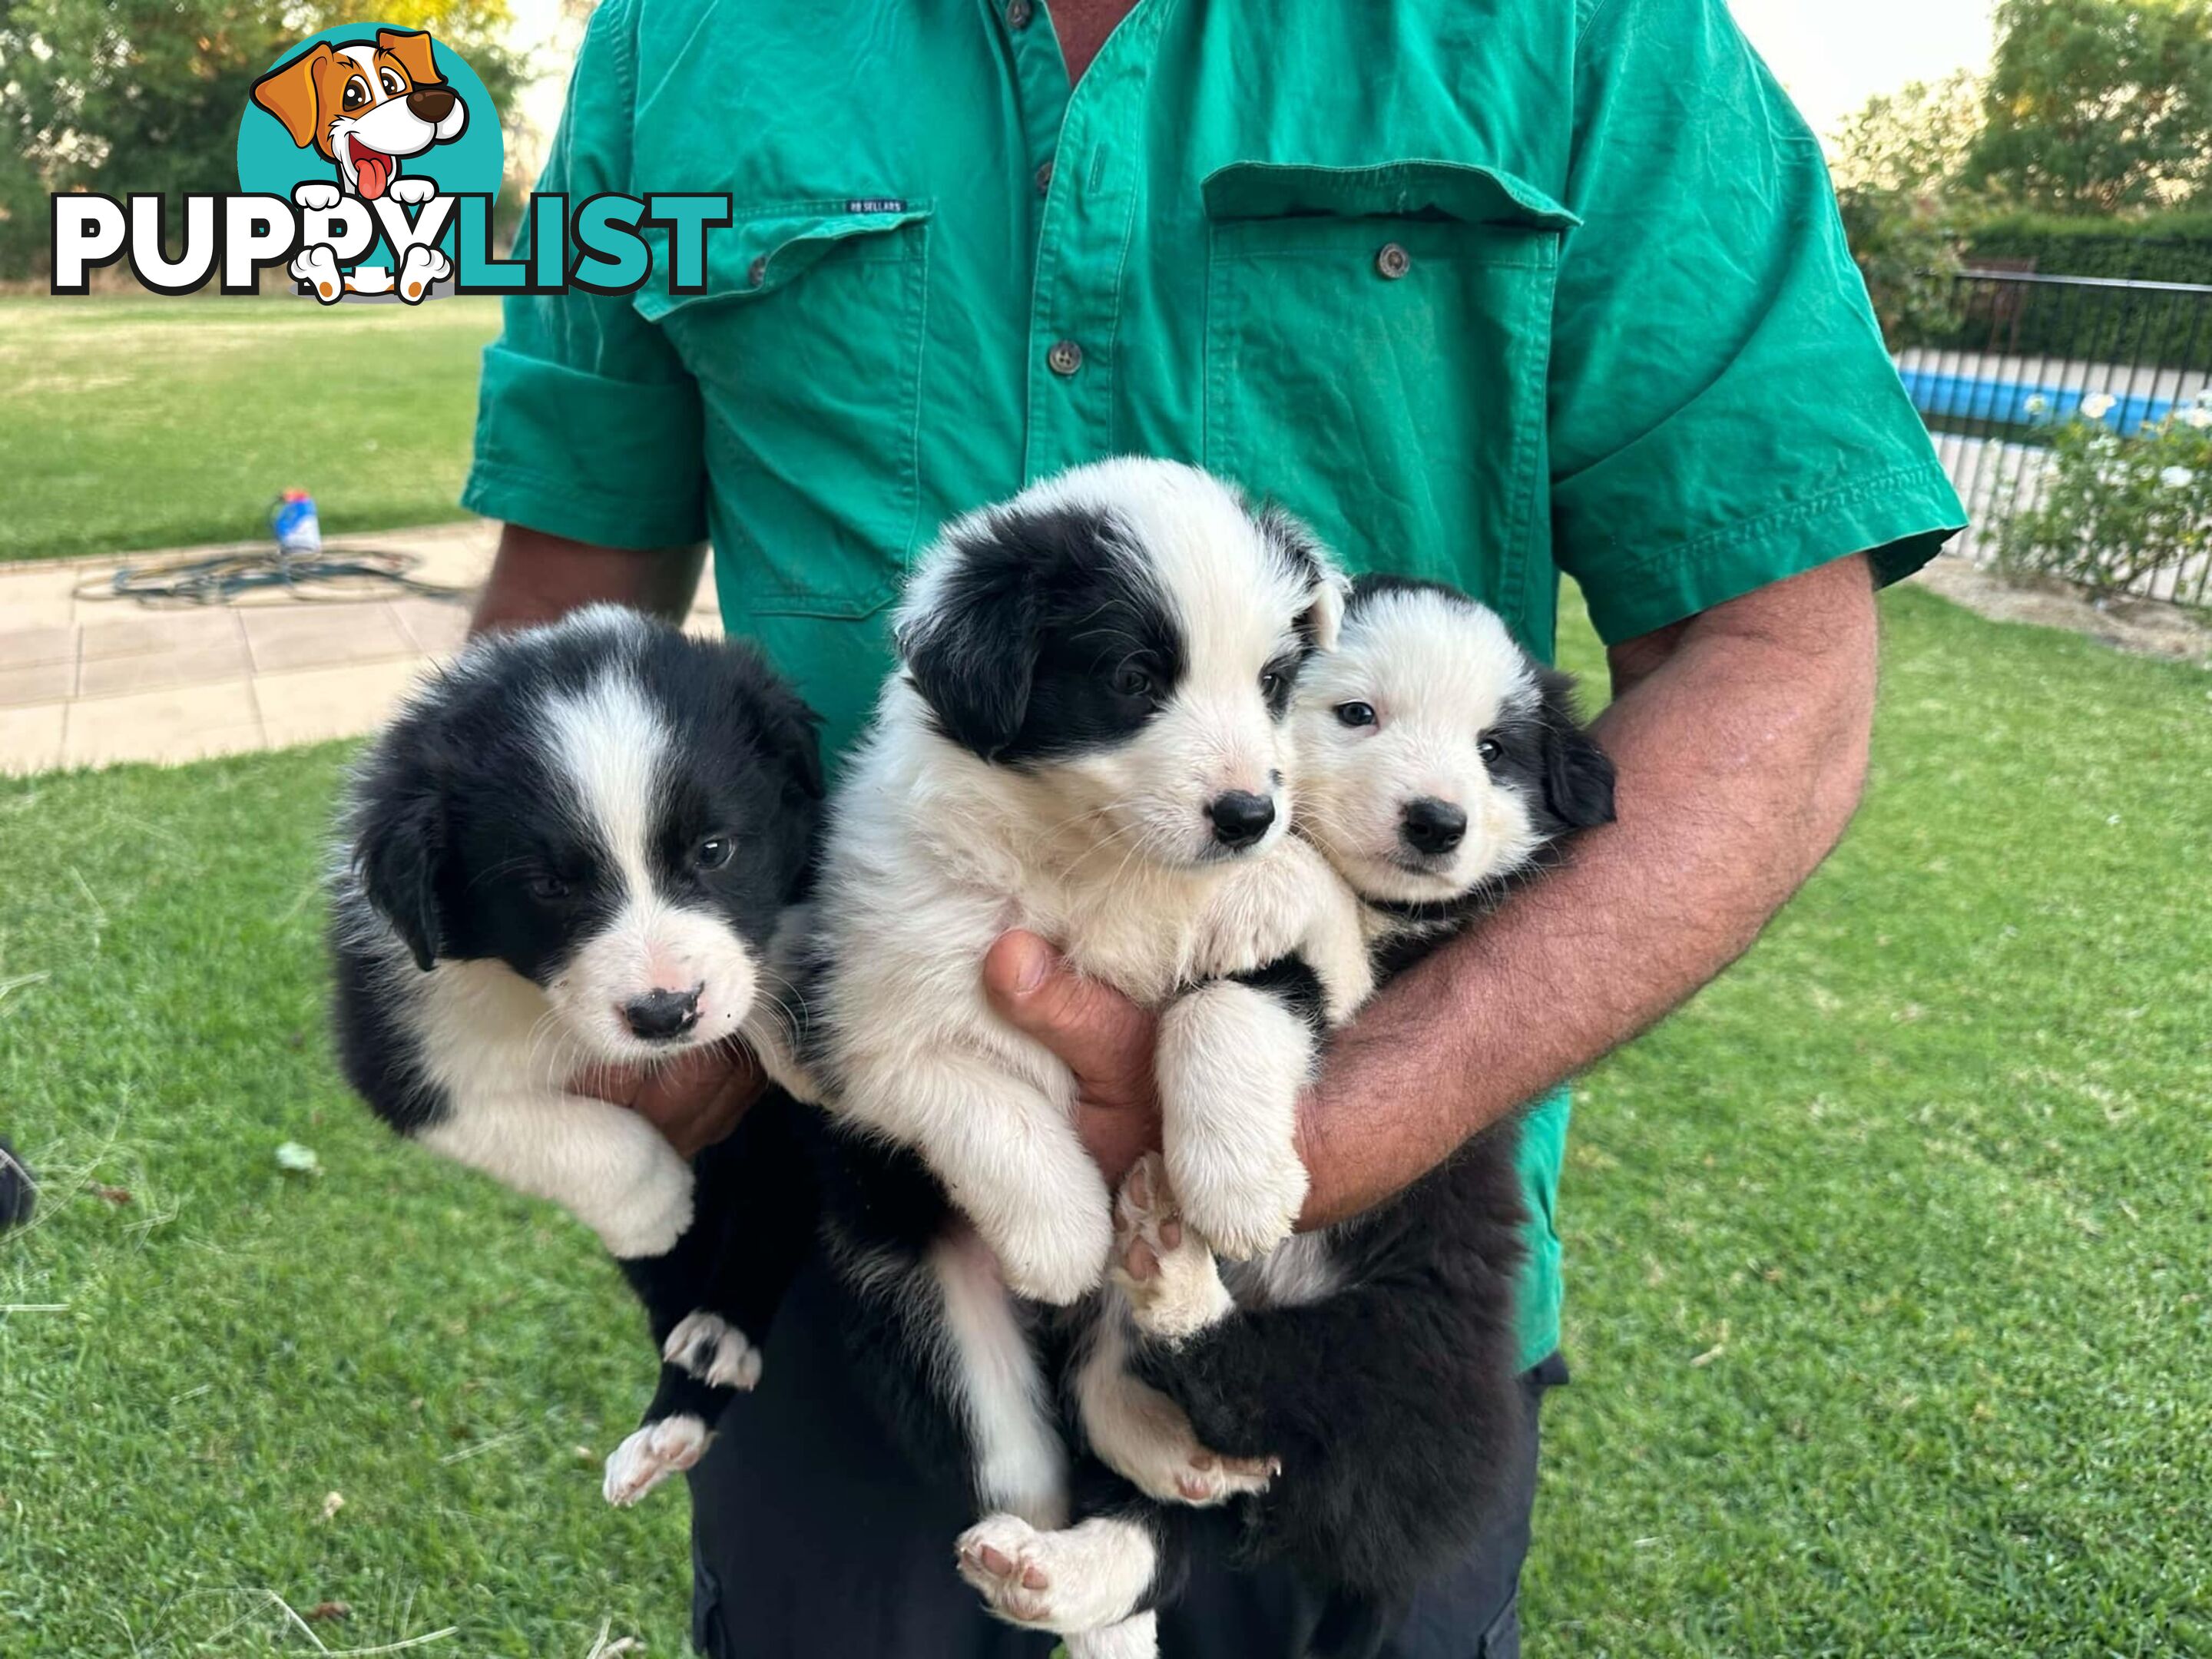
x=1376 y=1360
x=1087 y=737
x=573 y=848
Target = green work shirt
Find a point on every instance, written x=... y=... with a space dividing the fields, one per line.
x=1484 y=289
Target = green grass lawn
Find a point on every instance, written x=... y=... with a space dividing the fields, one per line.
x=140 y=422
x=1887 y=1259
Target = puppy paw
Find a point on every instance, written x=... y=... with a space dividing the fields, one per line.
x=317 y=268
x=651 y=1456
x=1162 y=1266
x=1062 y=1258
x=1145 y=1438
x=420 y=266
x=413 y=191
x=1081 y=1579
x=713 y=1350
x=315 y=197
x=1245 y=1210
x=653 y=1209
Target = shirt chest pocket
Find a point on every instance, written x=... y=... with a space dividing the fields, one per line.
x=1381 y=333
x=806 y=341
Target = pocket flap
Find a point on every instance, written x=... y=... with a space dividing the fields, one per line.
x=1465 y=191
x=769 y=248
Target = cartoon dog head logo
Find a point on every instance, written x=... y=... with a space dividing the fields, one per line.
x=365 y=106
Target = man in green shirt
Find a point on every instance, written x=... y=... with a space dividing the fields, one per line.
x=1486 y=290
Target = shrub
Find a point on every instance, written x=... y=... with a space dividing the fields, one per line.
x=2109 y=512
x=2158 y=247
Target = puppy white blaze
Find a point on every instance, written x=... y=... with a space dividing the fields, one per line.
x=610 y=744
x=1438 y=672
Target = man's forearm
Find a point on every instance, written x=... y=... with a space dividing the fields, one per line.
x=1740 y=742
x=538 y=578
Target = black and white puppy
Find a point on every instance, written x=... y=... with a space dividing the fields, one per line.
x=1088 y=736
x=1377 y=1361
x=573 y=848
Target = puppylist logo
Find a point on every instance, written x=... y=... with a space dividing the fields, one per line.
x=368 y=161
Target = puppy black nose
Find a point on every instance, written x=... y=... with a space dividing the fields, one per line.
x=659 y=1015
x=1433 y=826
x=1240 y=819
x=432 y=104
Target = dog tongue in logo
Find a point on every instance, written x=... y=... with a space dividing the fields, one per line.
x=373 y=168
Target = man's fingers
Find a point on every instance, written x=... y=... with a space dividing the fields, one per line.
x=1105 y=1039
x=695 y=1100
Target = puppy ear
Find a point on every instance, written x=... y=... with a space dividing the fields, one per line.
x=792 y=735
x=1323 y=621
x=399 y=850
x=1577 y=773
x=287 y=92
x=1323 y=618
x=412 y=48
x=969 y=638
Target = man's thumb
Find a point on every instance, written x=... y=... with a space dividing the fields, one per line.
x=1098 y=1031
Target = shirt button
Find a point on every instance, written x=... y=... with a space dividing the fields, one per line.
x=1018 y=13
x=1392 y=261
x=756 y=272
x=1044 y=178
x=1065 y=358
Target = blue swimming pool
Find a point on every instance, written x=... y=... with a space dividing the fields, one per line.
x=1964 y=397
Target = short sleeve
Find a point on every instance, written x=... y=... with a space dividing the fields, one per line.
x=1723 y=411
x=587 y=424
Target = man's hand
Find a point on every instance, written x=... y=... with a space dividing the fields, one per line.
x=695 y=1099
x=1103 y=1037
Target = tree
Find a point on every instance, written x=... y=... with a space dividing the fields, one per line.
x=1914 y=140
x=2096 y=105
x=1896 y=165
x=139 y=95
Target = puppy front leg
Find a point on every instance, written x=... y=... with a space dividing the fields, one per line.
x=607 y=1166
x=1235 y=1054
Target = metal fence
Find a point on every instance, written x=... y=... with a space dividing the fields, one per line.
x=2021 y=352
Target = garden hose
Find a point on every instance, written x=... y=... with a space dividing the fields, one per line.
x=299 y=564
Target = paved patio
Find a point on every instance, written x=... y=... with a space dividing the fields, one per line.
x=93 y=681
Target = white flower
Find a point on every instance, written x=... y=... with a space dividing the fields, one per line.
x=2098 y=404
x=2177 y=478
x=2038 y=404
x=2196 y=416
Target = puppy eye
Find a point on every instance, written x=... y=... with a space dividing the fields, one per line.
x=354 y=95
x=1490 y=749
x=1356 y=713
x=1270 y=683
x=713 y=853
x=1132 y=681
x=549 y=888
x=391 y=87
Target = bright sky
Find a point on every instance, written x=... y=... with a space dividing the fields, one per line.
x=1833 y=55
